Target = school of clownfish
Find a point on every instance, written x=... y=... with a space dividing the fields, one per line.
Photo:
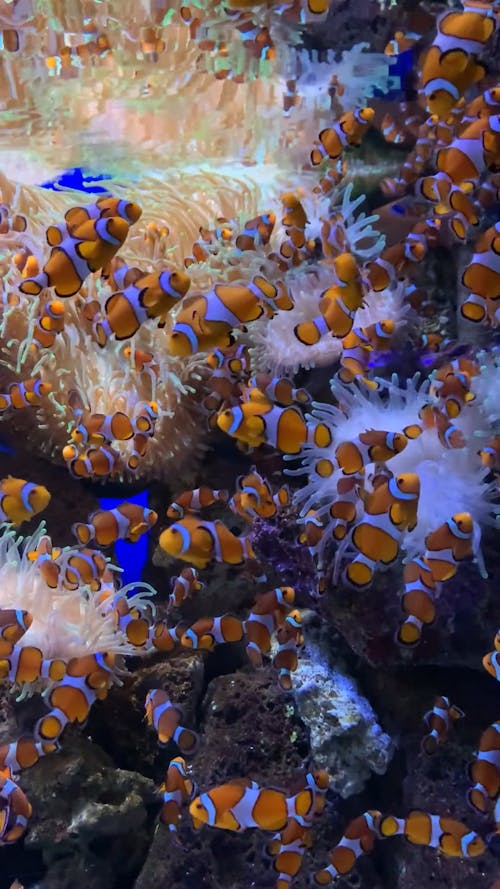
x=356 y=515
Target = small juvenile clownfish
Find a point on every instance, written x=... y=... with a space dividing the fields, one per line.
x=484 y=771
x=359 y=839
x=127 y=521
x=242 y=804
x=280 y=390
x=49 y=323
x=196 y=500
x=150 y=296
x=290 y=638
x=183 y=587
x=482 y=278
x=86 y=567
x=72 y=259
x=258 y=421
x=23 y=753
x=401 y=42
x=165 y=718
x=267 y=614
x=417 y=601
x=20 y=500
x=26 y=394
x=490 y=454
x=16 y=811
x=452 y=838
x=206 y=321
x=98 y=462
x=201 y=542
x=373 y=446
x=14 y=623
x=390 y=509
x=348 y=130
x=27 y=664
x=177 y=789
x=287 y=850
x=338 y=305
x=11 y=223
x=256 y=232
x=165 y=638
x=448 y=545
x=254 y=497
x=208 y=632
x=439 y=721
x=357 y=347
x=102 y=208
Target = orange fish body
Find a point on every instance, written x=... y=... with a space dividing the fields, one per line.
x=451 y=837
x=289 y=637
x=184 y=587
x=17 y=810
x=90 y=247
x=151 y=296
x=194 y=501
x=482 y=278
x=358 y=839
x=164 y=717
x=200 y=542
x=348 y=130
x=338 y=304
x=177 y=789
x=484 y=772
x=207 y=321
x=127 y=521
x=448 y=545
x=389 y=509
x=28 y=393
x=417 y=601
x=439 y=721
x=208 y=632
x=238 y=806
x=20 y=500
x=103 y=208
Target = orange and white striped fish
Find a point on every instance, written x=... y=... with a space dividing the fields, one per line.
x=348 y=130
x=28 y=393
x=358 y=839
x=206 y=321
x=338 y=304
x=165 y=718
x=266 y=615
x=484 y=771
x=207 y=632
x=74 y=257
x=438 y=721
x=127 y=521
x=453 y=838
x=482 y=278
x=184 y=587
x=195 y=501
x=20 y=500
x=199 y=542
x=177 y=790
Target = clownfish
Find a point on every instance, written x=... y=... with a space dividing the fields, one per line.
x=177 y=789
x=29 y=393
x=287 y=850
x=452 y=838
x=256 y=232
x=208 y=632
x=484 y=771
x=49 y=323
x=289 y=637
x=389 y=509
x=16 y=811
x=27 y=664
x=165 y=638
x=401 y=42
x=127 y=521
x=348 y=130
x=86 y=567
x=183 y=587
x=207 y=320
x=279 y=390
x=338 y=305
x=482 y=278
x=70 y=702
x=102 y=208
x=242 y=804
x=194 y=501
x=11 y=223
x=23 y=753
x=267 y=614
x=254 y=497
x=439 y=721
x=358 y=839
x=14 y=623
x=90 y=247
x=201 y=542
x=150 y=296
x=20 y=500
x=373 y=446
x=490 y=454
x=98 y=462
x=448 y=545
x=165 y=718
x=357 y=347
x=258 y=421
x=417 y=601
